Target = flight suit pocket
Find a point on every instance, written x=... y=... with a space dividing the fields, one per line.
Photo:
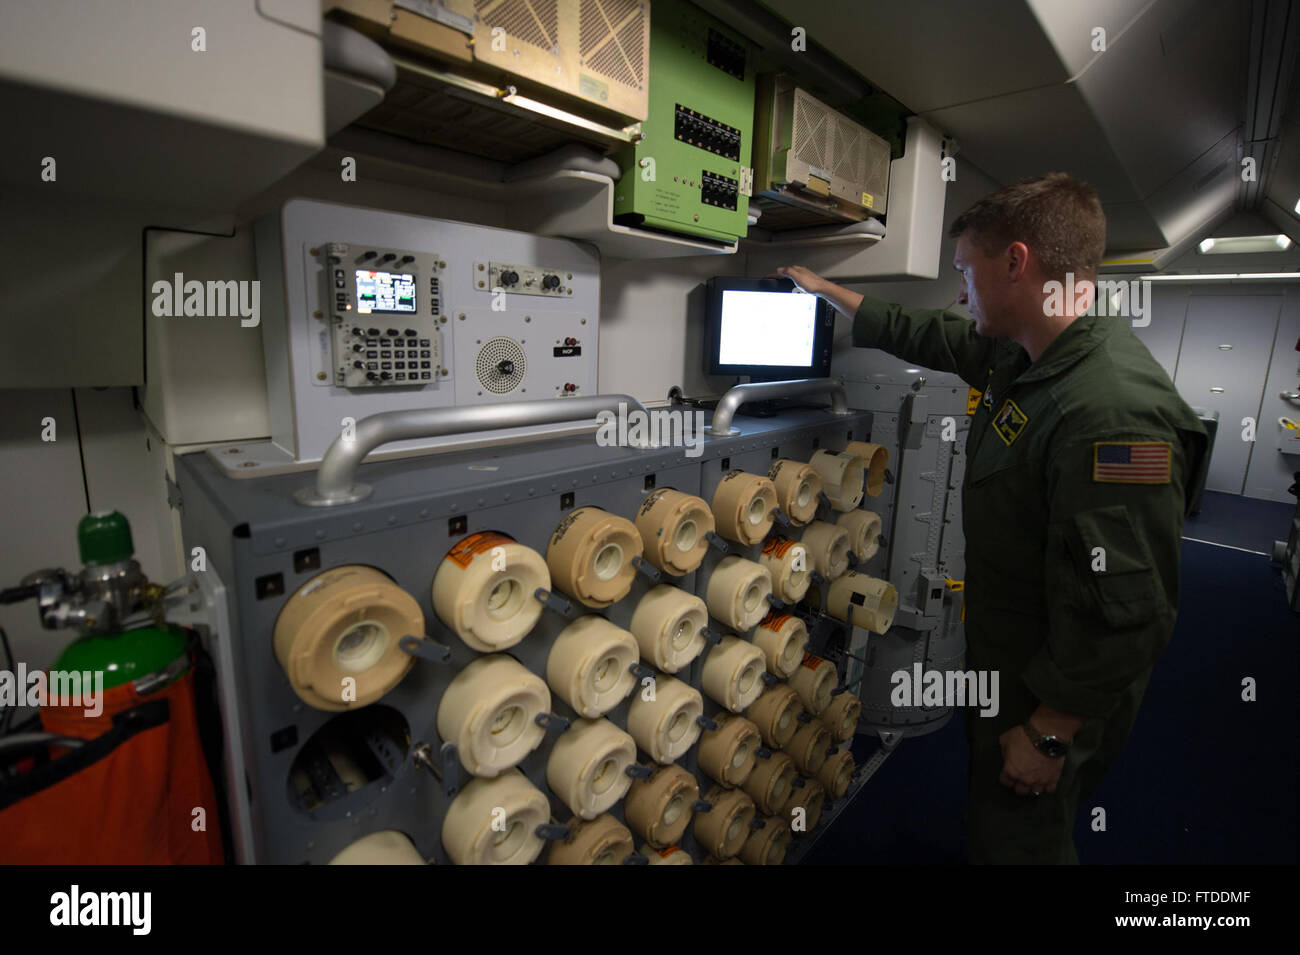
x=1116 y=566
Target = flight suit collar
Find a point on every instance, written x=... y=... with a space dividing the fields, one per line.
x=1079 y=338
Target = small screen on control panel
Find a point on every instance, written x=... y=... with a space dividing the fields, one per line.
x=385 y=292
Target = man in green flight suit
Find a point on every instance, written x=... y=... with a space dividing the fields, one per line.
x=1081 y=462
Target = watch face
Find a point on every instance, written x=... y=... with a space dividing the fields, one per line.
x=1053 y=746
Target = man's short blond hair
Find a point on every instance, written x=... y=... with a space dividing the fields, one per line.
x=1059 y=217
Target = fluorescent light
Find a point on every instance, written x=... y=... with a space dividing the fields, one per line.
x=1237 y=244
x=1220 y=277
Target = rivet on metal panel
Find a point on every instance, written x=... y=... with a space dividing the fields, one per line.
x=780 y=517
x=771 y=679
x=637 y=771
x=718 y=543
x=711 y=637
x=706 y=723
x=701 y=805
x=756 y=823
x=762 y=752
x=804 y=717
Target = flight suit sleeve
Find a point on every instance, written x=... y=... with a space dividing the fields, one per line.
x=1113 y=539
x=932 y=338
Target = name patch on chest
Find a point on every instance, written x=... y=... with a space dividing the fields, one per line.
x=1130 y=462
x=1010 y=421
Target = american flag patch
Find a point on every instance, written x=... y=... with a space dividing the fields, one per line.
x=1130 y=462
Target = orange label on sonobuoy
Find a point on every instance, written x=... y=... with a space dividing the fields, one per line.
x=777 y=546
x=810 y=661
x=774 y=620
x=665 y=853
x=463 y=553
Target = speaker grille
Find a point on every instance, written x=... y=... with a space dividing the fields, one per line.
x=490 y=357
x=809 y=141
x=528 y=21
x=611 y=40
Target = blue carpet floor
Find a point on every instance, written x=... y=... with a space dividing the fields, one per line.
x=1205 y=779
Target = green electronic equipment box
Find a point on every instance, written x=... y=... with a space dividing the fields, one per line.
x=691 y=172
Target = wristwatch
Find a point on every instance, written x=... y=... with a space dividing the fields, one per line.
x=1052 y=746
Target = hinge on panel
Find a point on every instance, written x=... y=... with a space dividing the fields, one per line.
x=173 y=493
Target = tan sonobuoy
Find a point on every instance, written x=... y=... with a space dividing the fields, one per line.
x=808 y=797
x=658 y=809
x=874 y=601
x=841 y=716
x=673 y=528
x=797 y=486
x=387 y=847
x=828 y=548
x=727 y=754
x=589 y=665
x=722 y=830
x=742 y=506
x=489 y=712
x=808 y=747
x=337 y=637
x=776 y=714
x=813 y=680
x=864 y=532
x=600 y=841
x=770 y=783
x=670 y=855
x=788 y=564
x=590 y=556
x=667 y=625
x=783 y=638
x=836 y=773
x=666 y=726
x=737 y=592
x=494 y=821
x=877 y=458
x=733 y=673
x=768 y=845
x=483 y=590
x=587 y=766
x=842 y=474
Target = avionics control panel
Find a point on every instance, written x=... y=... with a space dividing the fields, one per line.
x=385 y=316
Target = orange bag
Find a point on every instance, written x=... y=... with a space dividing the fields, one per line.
x=127 y=797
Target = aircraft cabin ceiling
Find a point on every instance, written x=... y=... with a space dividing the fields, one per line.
x=1158 y=122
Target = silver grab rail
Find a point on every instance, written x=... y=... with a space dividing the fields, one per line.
x=336 y=480
x=765 y=390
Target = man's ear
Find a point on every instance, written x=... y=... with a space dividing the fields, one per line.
x=1017 y=261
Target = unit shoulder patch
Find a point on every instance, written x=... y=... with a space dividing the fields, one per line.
x=1009 y=421
x=1131 y=462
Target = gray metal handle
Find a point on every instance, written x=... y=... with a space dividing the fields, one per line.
x=762 y=391
x=335 y=481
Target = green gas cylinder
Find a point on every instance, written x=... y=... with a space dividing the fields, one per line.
x=150 y=656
